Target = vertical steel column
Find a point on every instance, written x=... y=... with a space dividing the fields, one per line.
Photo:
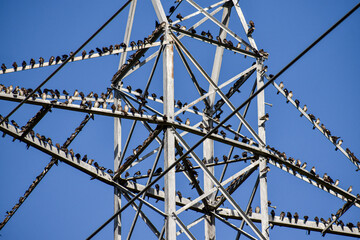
x=262 y=165
x=208 y=145
x=169 y=143
x=117 y=126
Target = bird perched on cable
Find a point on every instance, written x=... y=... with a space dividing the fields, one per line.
x=158 y=171
x=178 y=119
x=289 y=216
x=317 y=220
x=32 y=62
x=312 y=117
x=138 y=173
x=225 y=158
x=257 y=209
x=179 y=195
x=297 y=102
x=223 y=134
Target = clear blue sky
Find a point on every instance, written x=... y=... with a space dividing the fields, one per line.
x=67 y=205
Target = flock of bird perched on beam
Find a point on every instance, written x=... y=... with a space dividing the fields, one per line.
x=316 y=122
x=296 y=216
x=139 y=44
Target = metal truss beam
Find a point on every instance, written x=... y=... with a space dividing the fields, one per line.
x=80 y=58
x=234 y=227
x=155 y=53
x=143 y=216
x=191 y=224
x=222 y=26
x=198 y=12
x=222 y=95
x=301 y=224
x=214 y=42
x=183 y=227
x=316 y=125
x=244 y=23
x=317 y=182
x=247 y=72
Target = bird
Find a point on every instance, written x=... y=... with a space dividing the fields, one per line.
x=57 y=59
x=336 y=182
x=109 y=171
x=303 y=166
x=158 y=171
x=179 y=195
x=249 y=212
x=290 y=95
x=282 y=216
x=127 y=174
x=83 y=54
x=272 y=213
x=289 y=216
x=32 y=62
x=99 y=51
x=195 y=108
x=223 y=133
x=312 y=117
x=305 y=219
x=334 y=139
x=251 y=23
x=187 y=122
x=338 y=144
x=138 y=173
x=313 y=170
x=317 y=221
x=90 y=161
x=179 y=16
x=286 y=92
x=297 y=102
x=265 y=170
x=349 y=189
x=178 y=119
x=225 y=158
x=316 y=122
x=172 y=9
x=41 y=61
x=296 y=217
x=84 y=159
x=265 y=117
x=281 y=85
x=157 y=187
x=257 y=209
x=76 y=93
x=91 y=52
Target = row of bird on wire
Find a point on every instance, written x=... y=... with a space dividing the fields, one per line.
x=84 y=54
x=316 y=122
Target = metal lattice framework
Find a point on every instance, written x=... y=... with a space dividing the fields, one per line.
x=166 y=135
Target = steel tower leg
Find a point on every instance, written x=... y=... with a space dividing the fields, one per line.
x=169 y=143
x=208 y=145
x=117 y=126
x=263 y=164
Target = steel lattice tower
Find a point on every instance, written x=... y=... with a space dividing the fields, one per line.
x=170 y=143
